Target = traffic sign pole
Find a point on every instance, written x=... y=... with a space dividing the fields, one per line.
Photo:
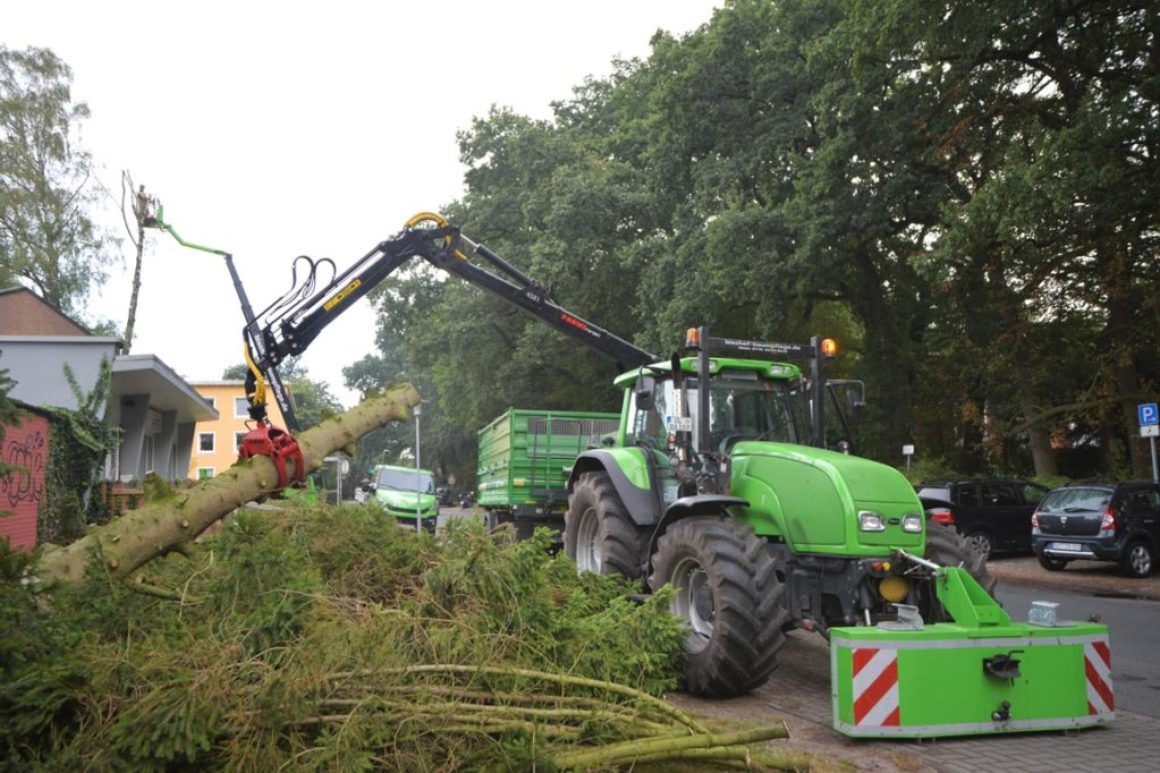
x=1155 y=471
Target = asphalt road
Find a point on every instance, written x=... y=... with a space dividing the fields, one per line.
x=1134 y=627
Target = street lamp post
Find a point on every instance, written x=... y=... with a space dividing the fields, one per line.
x=418 y=475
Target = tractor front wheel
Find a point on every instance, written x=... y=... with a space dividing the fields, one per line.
x=599 y=535
x=729 y=595
x=947 y=547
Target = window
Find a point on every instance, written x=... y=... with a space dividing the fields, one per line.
x=212 y=402
x=238 y=439
x=968 y=495
x=1001 y=495
x=204 y=472
x=241 y=408
x=205 y=442
x=148 y=452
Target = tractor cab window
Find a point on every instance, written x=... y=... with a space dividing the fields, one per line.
x=745 y=407
x=740 y=408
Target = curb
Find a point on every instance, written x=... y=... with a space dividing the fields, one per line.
x=1060 y=581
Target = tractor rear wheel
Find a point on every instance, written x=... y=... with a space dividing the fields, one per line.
x=599 y=535
x=947 y=547
x=729 y=595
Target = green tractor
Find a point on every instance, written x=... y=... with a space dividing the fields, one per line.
x=721 y=481
x=721 y=485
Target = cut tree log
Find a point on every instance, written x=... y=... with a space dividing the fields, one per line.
x=170 y=521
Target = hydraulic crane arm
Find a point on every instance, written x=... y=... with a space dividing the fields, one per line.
x=290 y=324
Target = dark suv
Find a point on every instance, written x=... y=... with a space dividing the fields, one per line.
x=993 y=514
x=1099 y=521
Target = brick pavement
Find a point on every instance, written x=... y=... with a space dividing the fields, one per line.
x=799 y=694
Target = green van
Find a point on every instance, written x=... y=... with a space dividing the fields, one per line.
x=403 y=491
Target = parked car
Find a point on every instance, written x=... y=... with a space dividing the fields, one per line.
x=994 y=514
x=1101 y=522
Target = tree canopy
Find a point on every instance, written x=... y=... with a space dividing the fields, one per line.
x=964 y=195
x=47 y=239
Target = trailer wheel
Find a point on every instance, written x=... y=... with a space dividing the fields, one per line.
x=494 y=519
x=599 y=535
x=728 y=592
x=947 y=547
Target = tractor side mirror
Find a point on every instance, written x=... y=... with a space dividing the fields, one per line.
x=644 y=390
x=854 y=406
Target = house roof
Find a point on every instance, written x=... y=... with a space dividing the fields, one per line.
x=23 y=312
x=147 y=374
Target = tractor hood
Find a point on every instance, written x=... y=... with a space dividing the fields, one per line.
x=812 y=498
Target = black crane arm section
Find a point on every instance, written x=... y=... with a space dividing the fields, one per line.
x=290 y=324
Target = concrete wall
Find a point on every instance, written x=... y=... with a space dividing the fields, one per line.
x=36 y=364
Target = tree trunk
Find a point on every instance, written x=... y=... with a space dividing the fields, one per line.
x=171 y=521
x=136 y=289
x=1038 y=433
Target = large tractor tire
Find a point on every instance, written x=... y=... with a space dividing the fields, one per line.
x=729 y=595
x=947 y=547
x=599 y=534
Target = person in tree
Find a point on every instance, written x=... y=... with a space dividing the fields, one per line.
x=143 y=208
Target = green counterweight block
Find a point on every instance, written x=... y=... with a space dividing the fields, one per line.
x=980 y=676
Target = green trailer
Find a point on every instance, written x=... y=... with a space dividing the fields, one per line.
x=525 y=457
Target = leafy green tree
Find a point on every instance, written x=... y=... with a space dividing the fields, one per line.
x=384 y=445
x=1045 y=117
x=313 y=400
x=47 y=238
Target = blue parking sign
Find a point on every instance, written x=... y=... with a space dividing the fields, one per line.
x=1148 y=414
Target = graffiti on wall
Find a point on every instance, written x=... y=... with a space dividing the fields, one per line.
x=25 y=447
x=28 y=452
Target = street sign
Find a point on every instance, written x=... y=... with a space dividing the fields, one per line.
x=1150 y=428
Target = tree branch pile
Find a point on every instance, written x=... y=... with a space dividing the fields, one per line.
x=332 y=638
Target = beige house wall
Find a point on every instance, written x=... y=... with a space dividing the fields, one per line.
x=229 y=397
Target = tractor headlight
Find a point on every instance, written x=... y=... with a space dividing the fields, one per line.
x=912 y=523
x=868 y=520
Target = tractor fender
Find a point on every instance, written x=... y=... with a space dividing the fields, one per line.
x=640 y=502
x=688 y=507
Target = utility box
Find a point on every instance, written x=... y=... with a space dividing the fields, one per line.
x=524 y=459
x=951 y=680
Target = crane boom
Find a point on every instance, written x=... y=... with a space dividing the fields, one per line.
x=289 y=325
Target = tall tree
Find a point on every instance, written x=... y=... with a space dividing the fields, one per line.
x=47 y=238
x=140 y=205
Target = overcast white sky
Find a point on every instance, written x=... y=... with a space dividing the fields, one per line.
x=275 y=129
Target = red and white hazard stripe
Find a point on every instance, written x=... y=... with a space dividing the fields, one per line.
x=1097 y=663
x=876 y=687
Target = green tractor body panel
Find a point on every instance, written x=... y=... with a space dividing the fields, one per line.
x=811 y=498
x=525 y=455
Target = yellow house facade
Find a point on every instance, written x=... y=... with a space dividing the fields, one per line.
x=215 y=443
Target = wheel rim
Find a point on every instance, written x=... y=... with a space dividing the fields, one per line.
x=1140 y=560
x=589 y=550
x=693 y=603
x=982 y=543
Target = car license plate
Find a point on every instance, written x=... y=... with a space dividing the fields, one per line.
x=1066 y=546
